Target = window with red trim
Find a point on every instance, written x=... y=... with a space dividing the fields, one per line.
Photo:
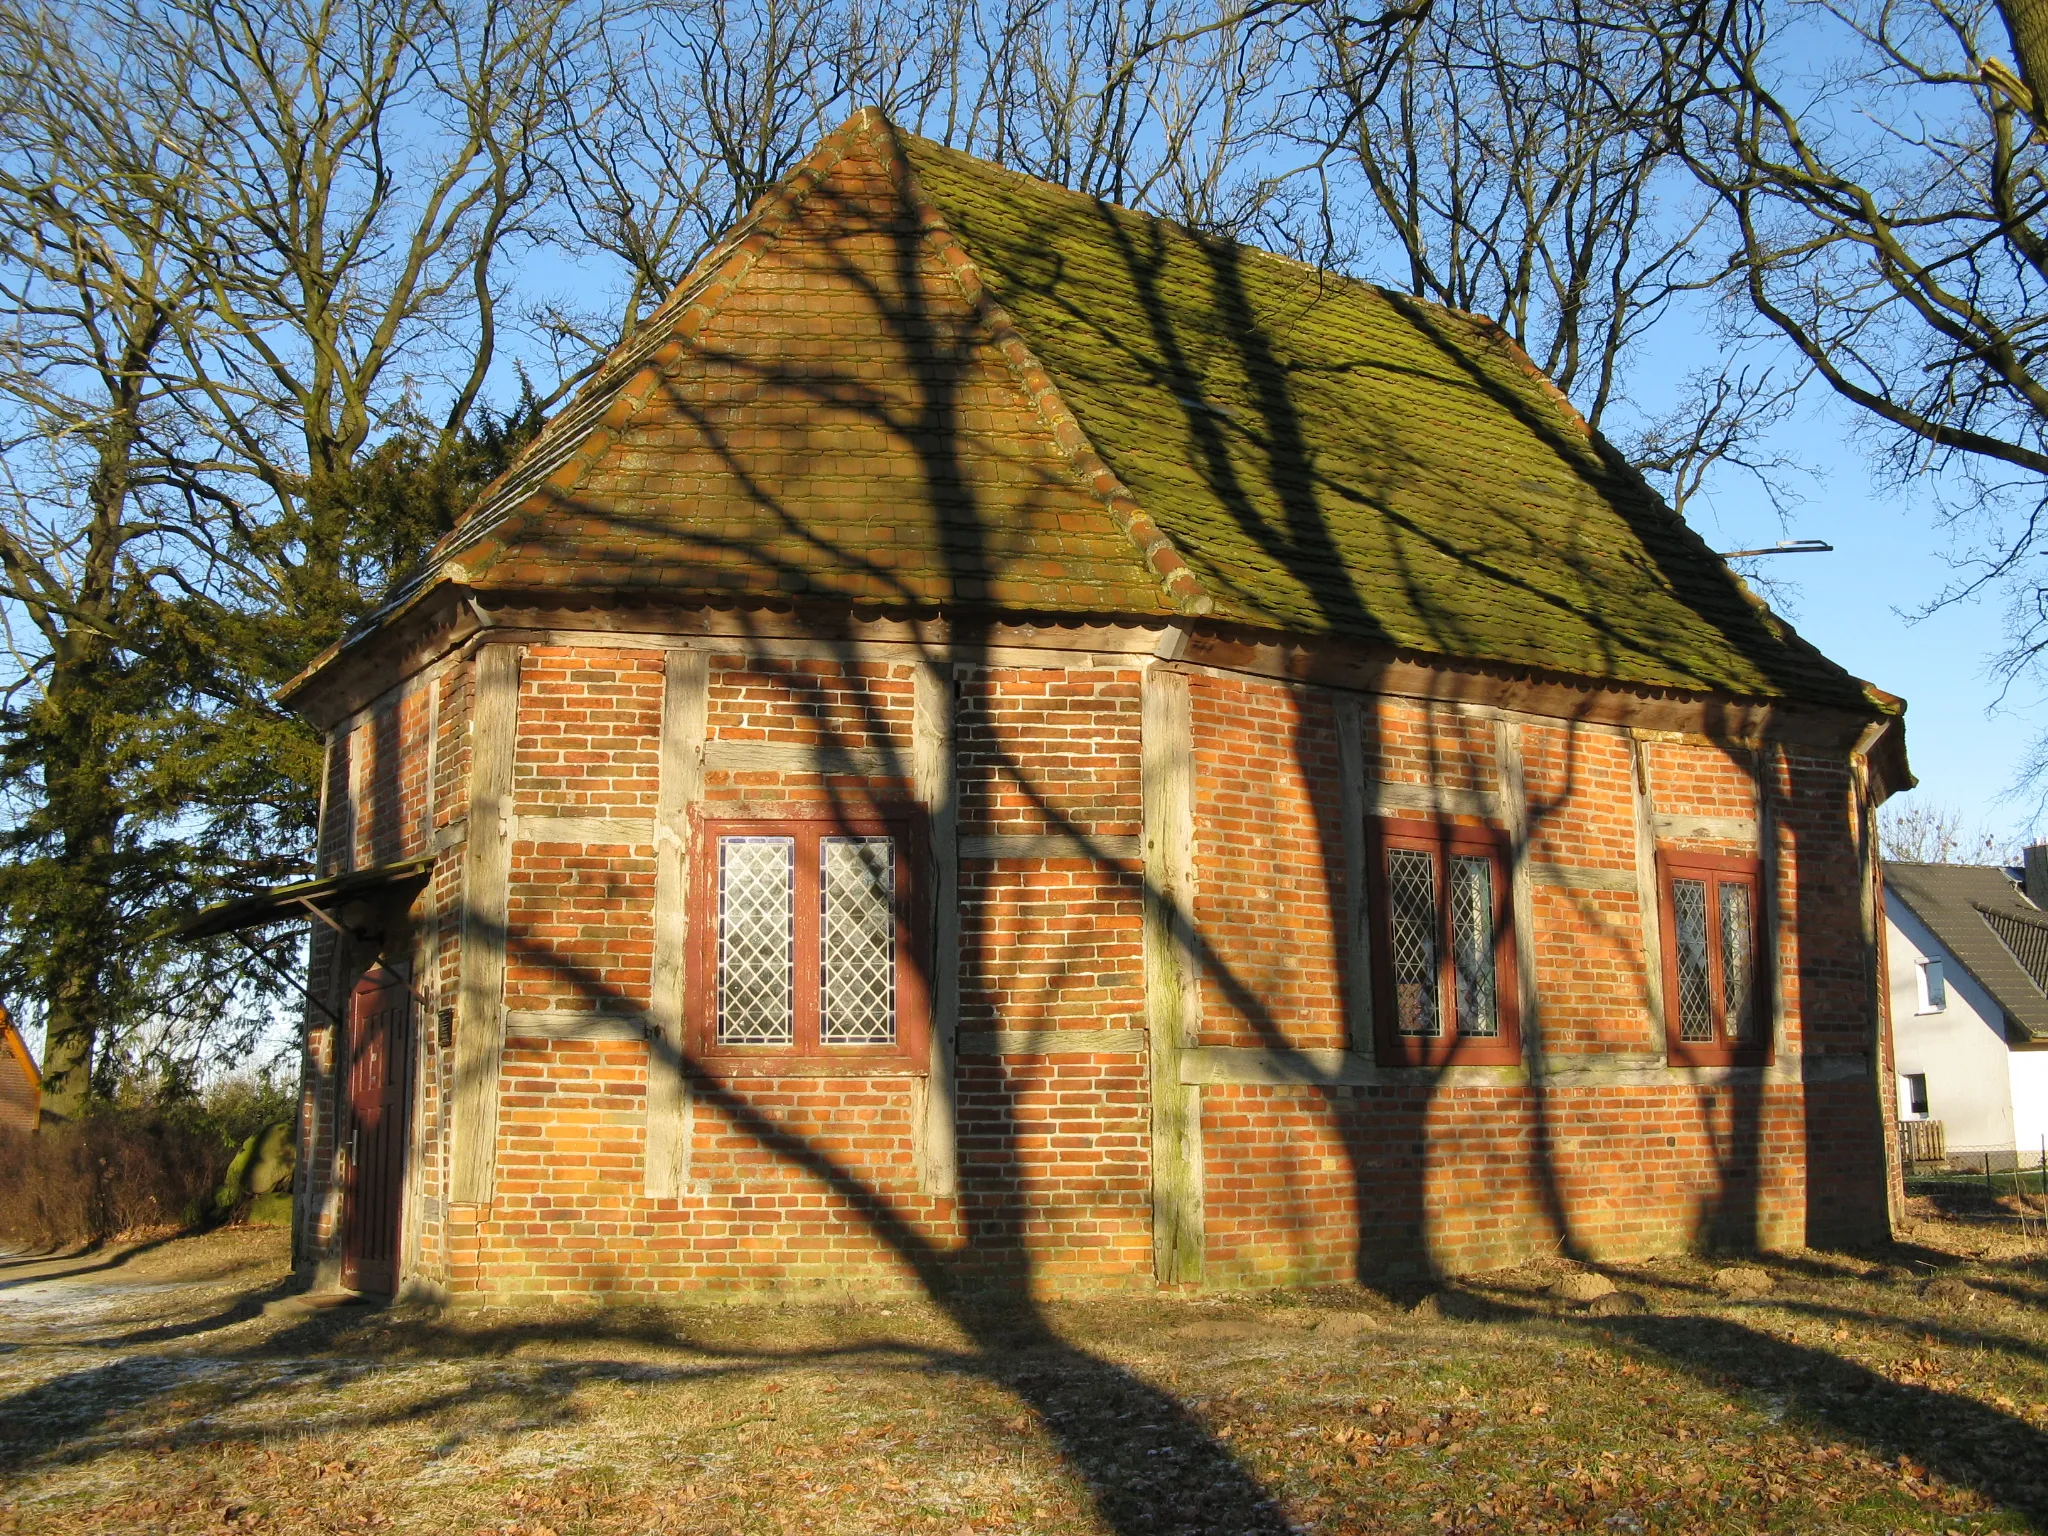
x=1443 y=952
x=1713 y=994
x=806 y=943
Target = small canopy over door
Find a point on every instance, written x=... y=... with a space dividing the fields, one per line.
x=337 y=899
x=376 y=1048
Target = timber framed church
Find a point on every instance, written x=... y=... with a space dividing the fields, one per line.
x=998 y=740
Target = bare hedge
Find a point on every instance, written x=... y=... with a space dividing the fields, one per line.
x=118 y=1171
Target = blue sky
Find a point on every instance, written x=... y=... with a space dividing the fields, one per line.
x=1857 y=605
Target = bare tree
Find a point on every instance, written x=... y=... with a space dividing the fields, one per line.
x=1502 y=152
x=252 y=262
x=111 y=708
x=1881 y=181
x=1169 y=105
x=1720 y=422
x=1888 y=210
x=692 y=109
x=1911 y=831
x=378 y=165
x=705 y=103
x=2026 y=23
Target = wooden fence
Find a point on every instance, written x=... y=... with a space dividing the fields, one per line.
x=1922 y=1142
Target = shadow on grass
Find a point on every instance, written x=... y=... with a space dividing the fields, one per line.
x=1138 y=1449
x=1972 y=1444
x=243 y=1308
x=94 y=1259
x=1148 y=1464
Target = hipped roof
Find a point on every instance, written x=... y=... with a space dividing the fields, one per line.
x=1994 y=932
x=913 y=381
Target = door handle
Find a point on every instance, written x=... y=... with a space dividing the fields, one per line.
x=352 y=1148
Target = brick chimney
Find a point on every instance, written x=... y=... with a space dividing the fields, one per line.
x=2035 y=881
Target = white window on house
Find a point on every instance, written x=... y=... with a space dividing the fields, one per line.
x=1933 y=987
x=1913 y=1095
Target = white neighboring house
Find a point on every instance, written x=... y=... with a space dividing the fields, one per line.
x=1968 y=955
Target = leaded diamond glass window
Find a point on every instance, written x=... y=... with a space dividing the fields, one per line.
x=1411 y=899
x=1736 y=960
x=857 y=940
x=1472 y=944
x=1445 y=989
x=756 y=940
x=1695 y=979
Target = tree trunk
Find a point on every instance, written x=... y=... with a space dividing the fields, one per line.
x=70 y=740
x=84 y=816
x=2026 y=22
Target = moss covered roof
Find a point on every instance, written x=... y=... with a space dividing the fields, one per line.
x=915 y=380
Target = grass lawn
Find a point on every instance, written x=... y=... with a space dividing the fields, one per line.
x=148 y=1390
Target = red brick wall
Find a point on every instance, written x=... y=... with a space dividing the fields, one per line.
x=1316 y=1185
x=314 y=1186
x=1829 y=995
x=1467 y=1170
x=1054 y=1166
x=380 y=825
x=788 y=1177
x=579 y=935
x=579 y=915
x=1046 y=749
x=1590 y=965
x=1050 y=943
x=803 y=1181
x=1270 y=864
x=589 y=732
x=808 y=701
x=338 y=829
x=379 y=810
x=20 y=1089
x=570 y=1116
x=1055 y=1172
x=1701 y=779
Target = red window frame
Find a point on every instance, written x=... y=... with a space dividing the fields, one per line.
x=1715 y=870
x=806 y=1053
x=1443 y=840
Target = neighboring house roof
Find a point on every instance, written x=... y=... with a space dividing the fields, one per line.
x=21 y=1080
x=1994 y=932
x=915 y=381
x=2026 y=935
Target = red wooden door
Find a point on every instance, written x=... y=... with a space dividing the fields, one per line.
x=379 y=1043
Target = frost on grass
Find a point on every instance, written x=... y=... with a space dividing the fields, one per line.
x=154 y=1395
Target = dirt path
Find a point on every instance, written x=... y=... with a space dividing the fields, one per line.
x=172 y=1388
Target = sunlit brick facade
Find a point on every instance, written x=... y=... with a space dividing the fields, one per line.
x=1155 y=992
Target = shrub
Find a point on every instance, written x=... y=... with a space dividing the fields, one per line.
x=130 y=1166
